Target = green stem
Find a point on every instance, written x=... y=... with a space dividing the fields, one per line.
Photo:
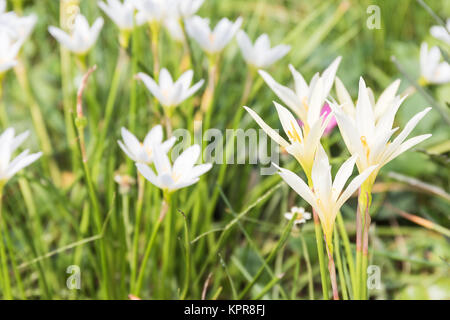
x=3 y=114
x=67 y=97
x=308 y=268
x=109 y=110
x=164 y=208
x=137 y=226
x=357 y=284
x=38 y=123
x=7 y=293
x=187 y=245
x=365 y=247
x=347 y=249
x=133 y=89
x=340 y=266
x=95 y=205
x=206 y=106
x=319 y=242
x=167 y=245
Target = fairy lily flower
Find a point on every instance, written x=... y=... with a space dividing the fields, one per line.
x=212 y=41
x=82 y=38
x=387 y=99
x=369 y=138
x=260 y=55
x=9 y=50
x=442 y=33
x=306 y=101
x=9 y=143
x=122 y=13
x=432 y=69
x=155 y=11
x=327 y=196
x=182 y=174
x=302 y=143
x=169 y=93
x=144 y=152
x=20 y=28
x=300 y=215
x=187 y=8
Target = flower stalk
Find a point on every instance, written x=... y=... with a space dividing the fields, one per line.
x=207 y=101
x=7 y=292
x=165 y=206
x=80 y=124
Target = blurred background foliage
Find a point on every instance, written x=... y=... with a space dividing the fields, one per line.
x=414 y=261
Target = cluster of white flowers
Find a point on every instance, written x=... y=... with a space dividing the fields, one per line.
x=14 y=31
x=433 y=70
x=154 y=152
x=365 y=128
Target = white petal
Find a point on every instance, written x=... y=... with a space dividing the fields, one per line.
x=270 y=132
x=186 y=161
x=289 y=123
x=344 y=172
x=298 y=185
x=284 y=93
x=354 y=185
x=149 y=174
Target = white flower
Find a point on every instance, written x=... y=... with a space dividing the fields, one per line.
x=143 y=152
x=305 y=100
x=327 y=196
x=82 y=38
x=19 y=28
x=8 y=145
x=432 y=70
x=182 y=174
x=187 y=8
x=369 y=138
x=387 y=99
x=169 y=93
x=442 y=33
x=260 y=55
x=149 y=11
x=122 y=13
x=9 y=50
x=212 y=41
x=302 y=143
x=300 y=215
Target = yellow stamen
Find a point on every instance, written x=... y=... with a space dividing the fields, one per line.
x=294 y=134
x=365 y=145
